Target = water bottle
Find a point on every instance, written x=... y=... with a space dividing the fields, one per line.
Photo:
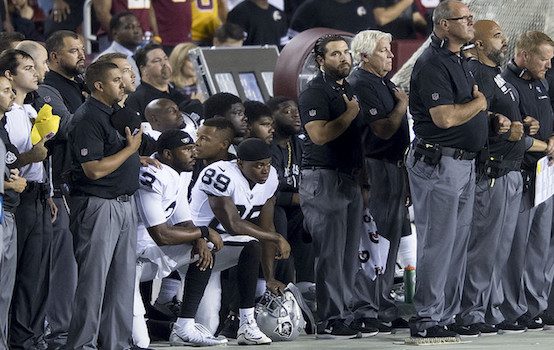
x=409 y=283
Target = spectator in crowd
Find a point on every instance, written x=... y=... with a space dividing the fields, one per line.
x=286 y=157
x=126 y=33
x=105 y=176
x=184 y=76
x=230 y=107
x=106 y=9
x=155 y=73
x=348 y=15
x=22 y=19
x=206 y=18
x=228 y=35
x=167 y=13
x=65 y=15
x=260 y=121
x=35 y=212
x=263 y=23
x=400 y=18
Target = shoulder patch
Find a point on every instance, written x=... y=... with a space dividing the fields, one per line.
x=10 y=157
x=312 y=112
x=435 y=96
x=84 y=151
x=373 y=111
x=361 y=11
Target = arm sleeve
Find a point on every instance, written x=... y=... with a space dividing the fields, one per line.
x=314 y=105
x=372 y=107
x=150 y=198
x=436 y=89
x=53 y=97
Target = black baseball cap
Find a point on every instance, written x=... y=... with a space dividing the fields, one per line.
x=171 y=139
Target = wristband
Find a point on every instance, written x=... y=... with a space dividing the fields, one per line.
x=204 y=232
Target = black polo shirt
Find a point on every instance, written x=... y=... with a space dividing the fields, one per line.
x=322 y=100
x=502 y=97
x=11 y=198
x=352 y=16
x=441 y=77
x=92 y=137
x=71 y=92
x=376 y=96
x=146 y=93
x=262 y=26
x=535 y=102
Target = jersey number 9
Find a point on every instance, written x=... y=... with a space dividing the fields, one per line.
x=220 y=181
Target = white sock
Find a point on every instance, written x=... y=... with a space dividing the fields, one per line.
x=260 y=287
x=184 y=323
x=245 y=315
x=168 y=290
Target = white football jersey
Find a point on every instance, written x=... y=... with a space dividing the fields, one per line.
x=224 y=179
x=161 y=197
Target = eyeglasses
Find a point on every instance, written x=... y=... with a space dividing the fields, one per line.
x=466 y=19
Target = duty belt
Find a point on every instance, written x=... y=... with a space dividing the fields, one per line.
x=458 y=153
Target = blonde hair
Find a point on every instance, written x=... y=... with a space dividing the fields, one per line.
x=531 y=41
x=177 y=59
x=365 y=42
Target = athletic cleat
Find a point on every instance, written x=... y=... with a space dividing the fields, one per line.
x=505 y=327
x=196 y=335
x=230 y=327
x=368 y=329
x=399 y=323
x=484 y=329
x=463 y=331
x=170 y=309
x=250 y=334
x=433 y=332
x=337 y=329
x=532 y=324
x=547 y=319
x=372 y=324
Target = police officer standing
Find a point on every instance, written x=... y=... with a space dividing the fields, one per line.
x=330 y=193
x=384 y=107
x=451 y=126
x=526 y=283
x=103 y=218
x=498 y=189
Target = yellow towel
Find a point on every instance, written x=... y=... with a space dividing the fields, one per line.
x=46 y=123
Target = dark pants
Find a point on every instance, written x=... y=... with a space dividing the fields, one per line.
x=8 y=264
x=63 y=279
x=34 y=236
x=332 y=205
x=289 y=221
x=105 y=237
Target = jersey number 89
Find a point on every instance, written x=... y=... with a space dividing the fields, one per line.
x=220 y=181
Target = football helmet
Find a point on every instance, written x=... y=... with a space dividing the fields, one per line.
x=280 y=316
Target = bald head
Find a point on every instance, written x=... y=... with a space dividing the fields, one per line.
x=490 y=43
x=39 y=54
x=163 y=114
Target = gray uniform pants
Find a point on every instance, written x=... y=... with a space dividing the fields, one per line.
x=443 y=198
x=63 y=278
x=524 y=277
x=8 y=263
x=332 y=205
x=387 y=204
x=494 y=222
x=105 y=234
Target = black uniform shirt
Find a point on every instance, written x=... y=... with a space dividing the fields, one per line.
x=287 y=161
x=322 y=100
x=261 y=26
x=92 y=137
x=11 y=198
x=376 y=96
x=71 y=90
x=352 y=16
x=146 y=93
x=503 y=98
x=535 y=102
x=441 y=77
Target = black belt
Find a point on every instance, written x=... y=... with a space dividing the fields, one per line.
x=123 y=198
x=458 y=153
x=120 y=198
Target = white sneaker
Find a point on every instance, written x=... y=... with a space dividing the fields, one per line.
x=197 y=335
x=250 y=334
